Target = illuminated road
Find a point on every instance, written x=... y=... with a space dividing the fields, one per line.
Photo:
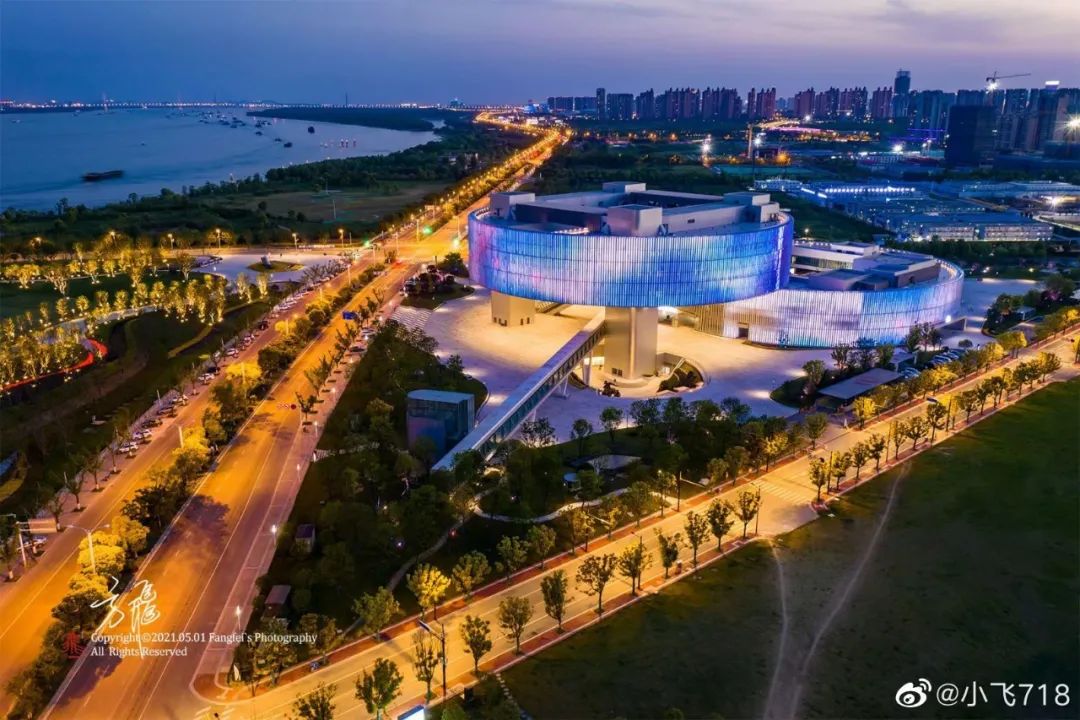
x=221 y=541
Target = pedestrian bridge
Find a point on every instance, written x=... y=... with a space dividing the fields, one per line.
x=503 y=421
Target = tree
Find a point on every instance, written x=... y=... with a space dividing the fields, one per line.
x=1048 y=364
x=580 y=431
x=608 y=511
x=747 y=505
x=611 y=418
x=538 y=433
x=554 y=589
x=736 y=458
x=637 y=500
x=839 y=464
x=273 y=653
x=131 y=535
x=815 y=372
x=470 y=570
x=716 y=469
x=669 y=550
x=55 y=506
x=476 y=634
x=317 y=705
x=877 y=444
x=92 y=464
x=773 y=447
x=108 y=558
x=429 y=585
x=696 y=527
x=73 y=484
x=541 y=540
x=426 y=658
x=578 y=524
x=937 y=415
x=633 y=561
x=75 y=611
x=819 y=475
x=379 y=687
x=864 y=409
x=514 y=615
x=664 y=484
x=720 y=520
x=376 y=611
x=917 y=429
x=594 y=573
x=860 y=455
x=513 y=552
x=815 y=427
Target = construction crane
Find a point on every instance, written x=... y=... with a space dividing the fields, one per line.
x=992 y=81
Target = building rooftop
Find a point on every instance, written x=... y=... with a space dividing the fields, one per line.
x=631 y=208
x=860 y=384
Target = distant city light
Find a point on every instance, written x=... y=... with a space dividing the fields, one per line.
x=898 y=148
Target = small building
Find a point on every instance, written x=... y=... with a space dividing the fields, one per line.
x=277 y=600
x=443 y=417
x=847 y=390
x=1024 y=312
x=305 y=538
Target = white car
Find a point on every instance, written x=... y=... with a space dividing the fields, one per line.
x=232 y=352
x=128 y=448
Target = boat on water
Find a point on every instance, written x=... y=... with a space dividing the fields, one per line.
x=107 y=175
x=311 y=128
x=288 y=144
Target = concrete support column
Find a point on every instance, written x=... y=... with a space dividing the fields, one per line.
x=630 y=344
x=563 y=387
x=508 y=310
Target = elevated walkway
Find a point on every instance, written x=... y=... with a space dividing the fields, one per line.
x=501 y=422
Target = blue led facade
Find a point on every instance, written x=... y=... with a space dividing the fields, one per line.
x=803 y=317
x=626 y=271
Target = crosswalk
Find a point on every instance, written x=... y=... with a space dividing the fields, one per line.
x=413 y=318
x=785 y=491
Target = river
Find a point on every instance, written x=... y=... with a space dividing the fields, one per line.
x=43 y=156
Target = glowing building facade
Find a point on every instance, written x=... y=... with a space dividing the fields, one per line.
x=729 y=261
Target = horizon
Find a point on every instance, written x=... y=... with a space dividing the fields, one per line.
x=319 y=52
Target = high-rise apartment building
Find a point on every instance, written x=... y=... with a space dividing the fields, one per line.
x=645 y=105
x=761 y=104
x=601 y=103
x=881 y=103
x=620 y=106
x=804 y=103
x=971 y=135
x=902 y=94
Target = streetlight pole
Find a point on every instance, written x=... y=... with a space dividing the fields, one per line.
x=18 y=532
x=90 y=540
x=442 y=640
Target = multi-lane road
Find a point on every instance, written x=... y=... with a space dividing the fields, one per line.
x=206 y=565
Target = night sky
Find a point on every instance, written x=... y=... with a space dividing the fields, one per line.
x=516 y=50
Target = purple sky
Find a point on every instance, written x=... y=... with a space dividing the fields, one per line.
x=515 y=50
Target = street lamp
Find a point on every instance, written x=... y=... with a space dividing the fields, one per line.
x=18 y=532
x=237 y=611
x=90 y=541
x=442 y=639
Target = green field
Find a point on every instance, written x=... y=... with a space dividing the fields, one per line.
x=818 y=223
x=344 y=206
x=15 y=300
x=974 y=578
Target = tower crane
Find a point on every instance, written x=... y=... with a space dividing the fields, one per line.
x=992 y=81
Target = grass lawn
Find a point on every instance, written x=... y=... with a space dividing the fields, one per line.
x=821 y=223
x=431 y=302
x=974 y=579
x=15 y=300
x=274 y=266
x=349 y=205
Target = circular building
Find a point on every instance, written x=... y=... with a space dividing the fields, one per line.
x=725 y=265
x=630 y=250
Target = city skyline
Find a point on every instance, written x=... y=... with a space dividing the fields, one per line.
x=169 y=51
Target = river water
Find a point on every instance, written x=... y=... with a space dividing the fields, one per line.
x=43 y=156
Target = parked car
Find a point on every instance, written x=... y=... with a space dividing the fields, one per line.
x=232 y=352
x=128 y=448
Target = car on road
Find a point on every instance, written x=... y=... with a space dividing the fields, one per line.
x=232 y=352
x=128 y=448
